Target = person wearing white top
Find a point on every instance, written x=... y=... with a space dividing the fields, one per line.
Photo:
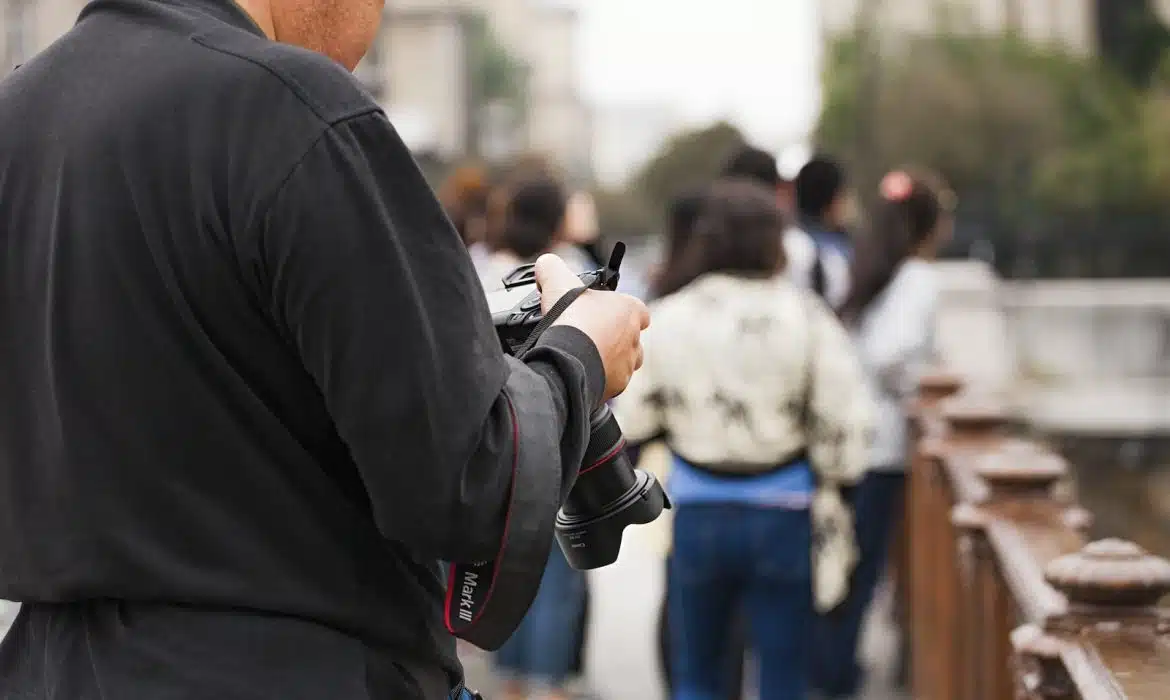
x=755 y=387
x=890 y=311
x=804 y=255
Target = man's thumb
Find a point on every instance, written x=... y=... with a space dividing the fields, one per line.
x=554 y=278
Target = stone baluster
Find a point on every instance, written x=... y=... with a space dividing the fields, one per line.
x=1111 y=640
x=1016 y=479
x=972 y=417
x=937 y=385
x=1112 y=578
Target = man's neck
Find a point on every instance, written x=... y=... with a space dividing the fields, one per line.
x=261 y=13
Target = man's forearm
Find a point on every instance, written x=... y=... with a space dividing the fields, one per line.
x=541 y=421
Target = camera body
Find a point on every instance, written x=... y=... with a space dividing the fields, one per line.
x=609 y=494
x=516 y=310
x=486 y=600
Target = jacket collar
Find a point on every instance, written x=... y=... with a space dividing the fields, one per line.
x=225 y=11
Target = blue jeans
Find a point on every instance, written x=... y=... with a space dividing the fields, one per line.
x=542 y=648
x=729 y=558
x=877 y=504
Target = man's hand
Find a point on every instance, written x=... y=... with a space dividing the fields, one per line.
x=614 y=322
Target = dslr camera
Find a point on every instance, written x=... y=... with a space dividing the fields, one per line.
x=609 y=494
x=487 y=600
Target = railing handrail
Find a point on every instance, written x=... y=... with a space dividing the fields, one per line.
x=1007 y=597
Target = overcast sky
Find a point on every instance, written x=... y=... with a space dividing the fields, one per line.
x=754 y=61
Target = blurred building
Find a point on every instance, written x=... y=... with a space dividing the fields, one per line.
x=1068 y=23
x=31 y=25
x=418 y=69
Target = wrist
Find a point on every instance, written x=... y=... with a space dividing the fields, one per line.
x=575 y=343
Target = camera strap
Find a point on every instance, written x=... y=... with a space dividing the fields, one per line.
x=557 y=309
x=486 y=600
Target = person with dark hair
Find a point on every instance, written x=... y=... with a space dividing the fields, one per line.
x=816 y=246
x=739 y=366
x=890 y=311
x=531 y=215
x=751 y=163
x=819 y=247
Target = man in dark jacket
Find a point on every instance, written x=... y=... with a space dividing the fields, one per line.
x=250 y=392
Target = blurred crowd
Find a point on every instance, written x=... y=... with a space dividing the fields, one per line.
x=783 y=349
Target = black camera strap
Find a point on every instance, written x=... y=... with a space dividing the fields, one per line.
x=486 y=601
x=557 y=309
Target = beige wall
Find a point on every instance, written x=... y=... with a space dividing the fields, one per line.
x=424 y=72
x=563 y=130
x=552 y=53
x=511 y=20
x=45 y=21
x=559 y=122
x=425 y=75
x=419 y=67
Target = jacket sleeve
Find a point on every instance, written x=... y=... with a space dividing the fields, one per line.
x=359 y=267
x=840 y=408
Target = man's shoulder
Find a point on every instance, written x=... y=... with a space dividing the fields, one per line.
x=321 y=84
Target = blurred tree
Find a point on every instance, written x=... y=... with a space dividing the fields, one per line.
x=622 y=215
x=1045 y=149
x=971 y=107
x=495 y=77
x=688 y=159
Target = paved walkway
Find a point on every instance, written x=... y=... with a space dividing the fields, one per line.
x=621 y=662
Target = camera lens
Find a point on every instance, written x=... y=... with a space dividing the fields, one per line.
x=608 y=496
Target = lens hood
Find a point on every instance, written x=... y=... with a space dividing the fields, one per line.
x=608 y=496
x=591 y=540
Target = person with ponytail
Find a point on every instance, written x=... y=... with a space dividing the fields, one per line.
x=890 y=311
